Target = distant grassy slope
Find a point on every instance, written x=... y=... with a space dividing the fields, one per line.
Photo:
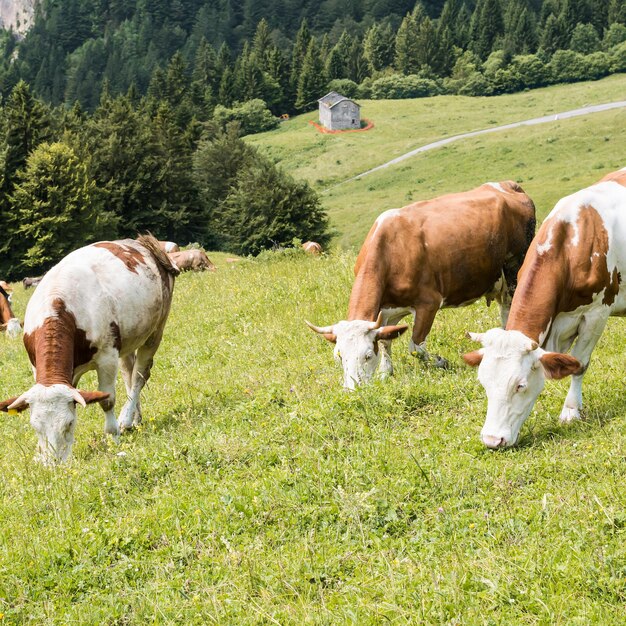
x=578 y=149
x=257 y=492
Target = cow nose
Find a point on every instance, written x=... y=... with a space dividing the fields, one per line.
x=494 y=442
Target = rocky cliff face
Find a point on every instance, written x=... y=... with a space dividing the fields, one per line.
x=17 y=14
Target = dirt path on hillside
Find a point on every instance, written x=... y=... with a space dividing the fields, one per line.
x=553 y=117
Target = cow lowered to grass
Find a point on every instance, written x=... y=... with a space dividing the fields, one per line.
x=446 y=252
x=194 y=260
x=569 y=285
x=101 y=304
x=8 y=321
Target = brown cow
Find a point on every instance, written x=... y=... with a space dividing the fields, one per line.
x=194 y=260
x=312 y=247
x=169 y=246
x=446 y=252
x=8 y=321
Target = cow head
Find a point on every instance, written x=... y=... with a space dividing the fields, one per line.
x=53 y=416
x=513 y=368
x=356 y=346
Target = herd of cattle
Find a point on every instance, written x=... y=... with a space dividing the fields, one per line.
x=106 y=305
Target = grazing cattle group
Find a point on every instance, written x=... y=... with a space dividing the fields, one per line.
x=105 y=306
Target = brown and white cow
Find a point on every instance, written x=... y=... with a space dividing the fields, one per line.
x=569 y=285
x=169 y=246
x=312 y=247
x=101 y=304
x=8 y=321
x=446 y=252
x=194 y=260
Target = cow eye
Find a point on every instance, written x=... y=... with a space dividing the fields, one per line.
x=369 y=355
x=521 y=387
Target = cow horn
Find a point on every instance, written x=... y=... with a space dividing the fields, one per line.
x=477 y=337
x=19 y=402
x=378 y=323
x=78 y=398
x=322 y=330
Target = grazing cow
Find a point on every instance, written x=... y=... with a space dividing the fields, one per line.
x=194 y=260
x=446 y=252
x=169 y=246
x=569 y=285
x=8 y=321
x=102 y=303
x=29 y=282
x=312 y=247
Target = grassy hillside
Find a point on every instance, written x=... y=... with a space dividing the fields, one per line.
x=258 y=492
x=550 y=160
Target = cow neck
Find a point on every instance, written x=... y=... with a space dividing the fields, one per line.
x=5 y=310
x=536 y=300
x=366 y=297
x=55 y=347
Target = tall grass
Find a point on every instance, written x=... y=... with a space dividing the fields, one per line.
x=258 y=492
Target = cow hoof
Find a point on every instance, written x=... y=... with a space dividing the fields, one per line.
x=569 y=415
x=440 y=362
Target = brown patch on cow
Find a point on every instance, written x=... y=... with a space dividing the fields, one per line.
x=57 y=347
x=5 y=308
x=93 y=396
x=565 y=276
x=312 y=247
x=117 y=336
x=557 y=365
x=616 y=177
x=131 y=257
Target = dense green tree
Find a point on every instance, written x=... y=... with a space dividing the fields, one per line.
x=301 y=45
x=585 y=39
x=58 y=207
x=378 y=47
x=407 y=46
x=313 y=81
x=486 y=26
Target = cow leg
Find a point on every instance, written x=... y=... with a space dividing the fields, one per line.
x=107 y=373
x=589 y=332
x=127 y=364
x=131 y=412
x=390 y=317
x=422 y=323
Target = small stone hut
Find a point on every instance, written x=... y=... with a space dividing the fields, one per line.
x=338 y=112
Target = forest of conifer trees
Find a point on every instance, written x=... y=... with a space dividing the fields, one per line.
x=132 y=110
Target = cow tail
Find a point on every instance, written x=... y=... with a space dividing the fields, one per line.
x=162 y=260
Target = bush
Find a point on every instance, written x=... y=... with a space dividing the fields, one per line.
x=615 y=35
x=567 y=66
x=344 y=86
x=530 y=70
x=617 y=56
x=597 y=64
x=398 y=86
x=475 y=85
x=585 y=39
x=253 y=116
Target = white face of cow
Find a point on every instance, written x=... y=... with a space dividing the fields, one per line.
x=512 y=369
x=356 y=347
x=53 y=416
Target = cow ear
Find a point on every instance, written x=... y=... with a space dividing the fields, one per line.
x=18 y=404
x=473 y=359
x=330 y=337
x=89 y=397
x=557 y=365
x=390 y=332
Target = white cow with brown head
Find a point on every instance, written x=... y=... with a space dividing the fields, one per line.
x=569 y=285
x=446 y=252
x=8 y=321
x=101 y=304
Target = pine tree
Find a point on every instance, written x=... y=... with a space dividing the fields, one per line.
x=313 y=81
x=616 y=12
x=301 y=45
x=407 y=46
x=58 y=207
x=553 y=37
x=378 y=47
x=486 y=26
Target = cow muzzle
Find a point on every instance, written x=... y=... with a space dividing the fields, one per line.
x=495 y=442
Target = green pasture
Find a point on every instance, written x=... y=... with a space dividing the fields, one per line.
x=549 y=160
x=257 y=492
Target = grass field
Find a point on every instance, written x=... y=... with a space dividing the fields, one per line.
x=549 y=160
x=257 y=492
